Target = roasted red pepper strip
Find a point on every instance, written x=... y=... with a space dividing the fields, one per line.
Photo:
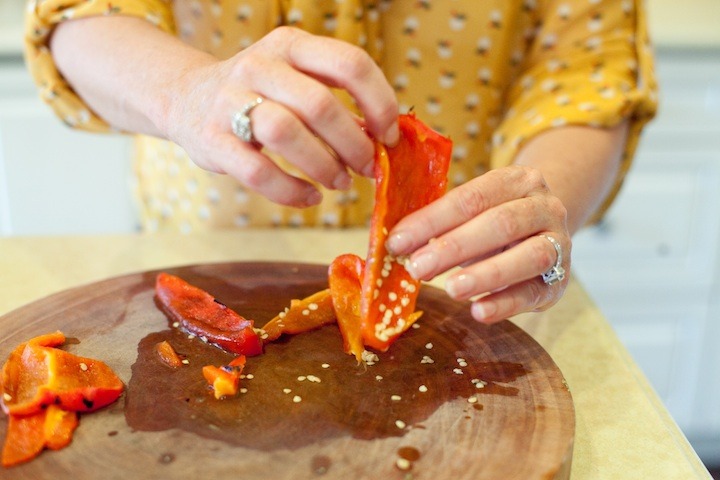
x=198 y=313
x=226 y=379
x=303 y=315
x=36 y=376
x=408 y=177
x=28 y=435
x=345 y=278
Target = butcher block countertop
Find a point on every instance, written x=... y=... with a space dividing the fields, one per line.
x=621 y=428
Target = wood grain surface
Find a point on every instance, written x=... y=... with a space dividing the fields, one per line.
x=309 y=411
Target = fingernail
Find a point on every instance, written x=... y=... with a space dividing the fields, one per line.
x=392 y=136
x=460 y=286
x=313 y=198
x=398 y=243
x=422 y=265
x=342 y=181
x=482 y=311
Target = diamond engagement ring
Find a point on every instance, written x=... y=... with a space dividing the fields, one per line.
x=241 y=124
x=557 y=272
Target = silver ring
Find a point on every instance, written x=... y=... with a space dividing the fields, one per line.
x=241 y=123
x=557 y=272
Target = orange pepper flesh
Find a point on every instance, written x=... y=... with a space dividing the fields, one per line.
x=226 y=379
x=36 y=376
x=168 y=355
x=198 y=313
x=303 y=315
x=345 y=278
x=42 y=388
x=408 y=176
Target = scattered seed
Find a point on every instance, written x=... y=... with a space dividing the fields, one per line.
x=313 y=379
x=458 y=371
x=415 y=326
x=243 y=390
x=429 y=346
x=7 y=397
x=392 y=296
x=249 y=376
x=399 y=424
x=302 y=378
x=325 y=365
x=83 y=367
x=422 y=388
x=378 y=377
x=426 y=359
x=185 y=361
x=313 y=306
x=403 y=464
x=286 y=391
x=396 y=398
x=191 y=336
x=297 y=399
x=306 y=312
x=176 y=324
x=472 y=399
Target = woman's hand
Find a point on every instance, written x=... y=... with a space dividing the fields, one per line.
x=299 y=117
x=491 y=227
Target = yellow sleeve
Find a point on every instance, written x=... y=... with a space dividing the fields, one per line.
x=590 y=64
x=41 y=18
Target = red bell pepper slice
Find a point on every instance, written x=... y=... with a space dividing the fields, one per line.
x=345 y=279
x=198 y=313
x=37 y=375
x=408 y=176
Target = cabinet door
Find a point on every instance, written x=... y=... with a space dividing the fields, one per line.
x=54 y=180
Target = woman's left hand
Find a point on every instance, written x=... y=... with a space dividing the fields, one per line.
x=492 y=227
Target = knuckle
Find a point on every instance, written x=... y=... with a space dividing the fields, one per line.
x=321 y=106
x=469 y=201
x=277 y=129
x=356 y=63
x=506 y=224
x=254 y=174
x=494 y=275
x=543 y=255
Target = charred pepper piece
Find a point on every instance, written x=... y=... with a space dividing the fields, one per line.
x=198 y=313
x=37 y=375
x=226 y=379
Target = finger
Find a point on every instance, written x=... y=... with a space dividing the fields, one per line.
x=321 y=112
x=492 y=230
x=460 y=205
x=525 y=261
x=348 y=67
x=280 y=131
x=255 y=170
x=531 y=295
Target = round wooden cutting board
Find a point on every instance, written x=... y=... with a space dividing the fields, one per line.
x=451 y=399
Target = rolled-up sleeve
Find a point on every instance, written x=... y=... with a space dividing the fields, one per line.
x=42 y=16
x=590 y=63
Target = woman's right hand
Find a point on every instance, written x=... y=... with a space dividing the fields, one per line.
x=300 y=118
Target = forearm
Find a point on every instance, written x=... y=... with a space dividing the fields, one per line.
x=124 y=68
x=579 y=164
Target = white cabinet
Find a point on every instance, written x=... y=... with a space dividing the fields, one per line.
x=54 y=180
x=653 y=265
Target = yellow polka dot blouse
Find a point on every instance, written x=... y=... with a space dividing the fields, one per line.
x=491 y=74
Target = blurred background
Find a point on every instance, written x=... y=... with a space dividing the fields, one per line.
x=652 y=265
